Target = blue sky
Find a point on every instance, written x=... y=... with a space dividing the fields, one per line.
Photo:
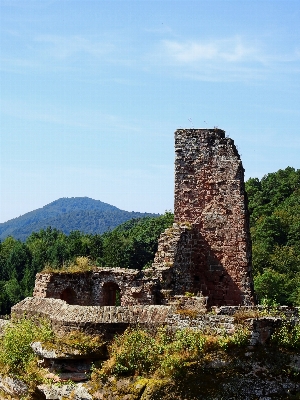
x=92 y=92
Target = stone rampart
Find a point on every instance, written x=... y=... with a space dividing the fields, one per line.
x=109 y=320
x=105 y=320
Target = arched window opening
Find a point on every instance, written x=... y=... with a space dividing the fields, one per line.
x=111 y=294
x=69 y=296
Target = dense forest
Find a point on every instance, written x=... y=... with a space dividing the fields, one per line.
x=69 y=214
x=274 y=205
x=132 y=244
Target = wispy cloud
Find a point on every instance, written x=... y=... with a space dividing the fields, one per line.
x=192 y=52
x=227 y=59
x=228 y=50
x=67 y=46
x=57 y=52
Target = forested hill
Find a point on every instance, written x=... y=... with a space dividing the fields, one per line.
x=69 y=214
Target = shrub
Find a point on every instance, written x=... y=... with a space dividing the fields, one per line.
x=15 y=350
x=287 y=336
x=184 y=349
x=165 y=353
x=138 y=352
x=135 y=351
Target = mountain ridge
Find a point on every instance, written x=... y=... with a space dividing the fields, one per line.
x=68 y=214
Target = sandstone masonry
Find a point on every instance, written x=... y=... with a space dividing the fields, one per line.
x=208 y=249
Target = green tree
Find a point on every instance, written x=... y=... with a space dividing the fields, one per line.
x=274 y=204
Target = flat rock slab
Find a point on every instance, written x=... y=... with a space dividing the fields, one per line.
x=75 y=391
x=13 y=387
x=58 y=354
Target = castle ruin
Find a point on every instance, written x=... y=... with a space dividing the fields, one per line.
x=203 y=262
x=207 y=251
x=209 y=246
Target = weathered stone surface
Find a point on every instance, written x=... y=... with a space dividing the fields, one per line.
x=3 y=323
x=74 y=392
x=262 y=329
x=67 y=376
x=111 y=320
x=66 y=352
x=42 y=352
x=12 y=386
x=91 y=319
x=208 y=249
x=97 y=288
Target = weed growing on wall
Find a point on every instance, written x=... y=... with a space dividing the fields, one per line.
x=76 y=342
x=80 y=264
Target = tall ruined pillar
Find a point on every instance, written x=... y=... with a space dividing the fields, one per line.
x=209 y=246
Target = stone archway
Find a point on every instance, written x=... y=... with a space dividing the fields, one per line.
x=69 y=296
x=111 y=294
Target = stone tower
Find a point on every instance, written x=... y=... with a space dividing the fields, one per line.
x=208 y=249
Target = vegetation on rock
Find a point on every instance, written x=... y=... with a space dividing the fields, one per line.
x=166 y=354
x=160 y=364
x=16 y=356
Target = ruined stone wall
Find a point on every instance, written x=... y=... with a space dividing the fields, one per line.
x=111 y=320
x=97 y=288
x=105 y=320
x=209 y=246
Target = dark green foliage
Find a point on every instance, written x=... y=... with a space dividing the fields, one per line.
x=67 y=215
x=131 y=245
x=134 y=243
x=274 y=204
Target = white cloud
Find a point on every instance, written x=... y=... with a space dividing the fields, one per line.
x=189 y=51
x=228 y=59
x=228 y=50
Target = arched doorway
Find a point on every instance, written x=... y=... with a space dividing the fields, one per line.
x=111 y=294
x=69 y=296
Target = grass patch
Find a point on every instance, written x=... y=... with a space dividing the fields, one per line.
x=80 y=264
x=76 y=343
x=189 y=313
